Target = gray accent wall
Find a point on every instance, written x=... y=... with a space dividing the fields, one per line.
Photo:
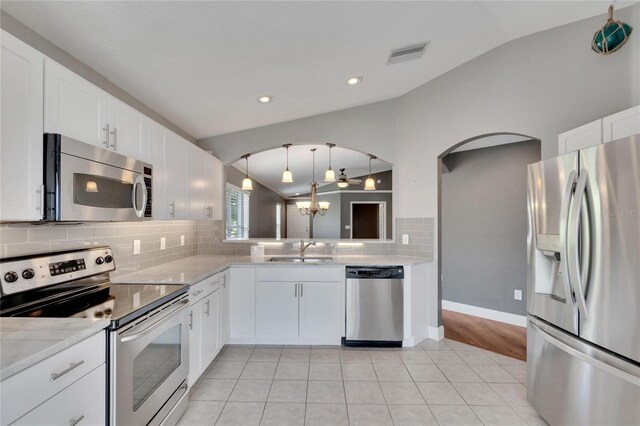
x=484 y=226
x=262 y=207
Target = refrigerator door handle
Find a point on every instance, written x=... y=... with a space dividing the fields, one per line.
x=573 y=258
x=564 y=229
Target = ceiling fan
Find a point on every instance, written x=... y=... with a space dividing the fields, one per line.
x=344 y=181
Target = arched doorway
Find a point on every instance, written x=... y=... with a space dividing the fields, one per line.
x=482 y=228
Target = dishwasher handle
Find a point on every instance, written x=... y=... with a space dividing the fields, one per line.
x=375 y=273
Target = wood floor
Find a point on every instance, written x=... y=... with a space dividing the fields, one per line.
x=495 y=336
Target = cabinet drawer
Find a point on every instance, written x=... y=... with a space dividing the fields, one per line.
x=82 y=404
x=212 y=283
x=301 y=273
x=196 y=292
x=31 y=387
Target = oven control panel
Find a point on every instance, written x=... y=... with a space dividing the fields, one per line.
x=30 y=272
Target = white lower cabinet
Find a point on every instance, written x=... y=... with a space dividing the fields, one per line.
x=82 y=403
x=242 y=303
x=277 y=310
x=224 y=308
x=321 y=310
x=204 y=326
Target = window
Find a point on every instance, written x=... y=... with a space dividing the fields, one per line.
x=237 y=213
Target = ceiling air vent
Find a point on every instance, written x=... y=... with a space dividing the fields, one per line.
x=407 y=53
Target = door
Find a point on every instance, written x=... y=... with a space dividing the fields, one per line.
x=242 y=306
x=21 y=131
x=620 y=125
x=365 y=221
x=582 y=137
x=321 y=310
x=210 y=326
x=606 y=263
x=277 y=309
x=297 y=224
x=196 y=169
x=224 y=308
x=195 y=342
x=155 y=155
x=176 y=177
x=74 y=107
x=551 y=184
x=126 y=129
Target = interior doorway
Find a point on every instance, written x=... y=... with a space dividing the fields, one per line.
x=482 y=234
x=368 y=220
x=297 y=224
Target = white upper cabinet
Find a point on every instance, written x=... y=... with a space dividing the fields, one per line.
x=197 y=168
x=126 y=129
x=215 y=188
x=156 y=136
x=581 y=137
x=620 y=125
x=176 y=178
x=21 y=130
x=74 y=107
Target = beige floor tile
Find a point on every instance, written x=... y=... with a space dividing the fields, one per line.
x=440 y=393
x=295 y=355
x=283 y=414
x=369 y=415
x=459 y=346
x=213 y=390
x=250 y=391
x=435 y=345
x=517 y=371
x=454 y=415
x=325 y=355
x=494 y=374
x=530 y=416
x=392 y=372
x=415 y=357
x=326 y=414
x=225 y=370
x=412 y=415
x=460 y=374
x=498 y=416
x=292 y=371
x=476 y=358
x=401 y=393
x=288 y=391
x=201 y=413
x=385 y=357
x=354 y=356
x=241 y=414
x=359 y=372
x=478 y=394
x=327 y=392
x=263 y=354
x=445 y=358
x=515 y=394
x=363 y=393
x=259 y=370
x=503 y=359
x=426 y=373
x=325 y=371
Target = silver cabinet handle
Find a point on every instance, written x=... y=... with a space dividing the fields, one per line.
x=40 y=208
x=74 y=422
x=114 y=145
x=197 y=293
x=207 y=312
x=191 y=320
x=301 y=289
x=56 y=376
x=106 y=132
x=172 y=213
x=224 y=281
x=295 y=291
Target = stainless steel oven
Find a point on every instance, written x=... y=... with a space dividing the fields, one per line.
x=149 y=366
x=87 y=183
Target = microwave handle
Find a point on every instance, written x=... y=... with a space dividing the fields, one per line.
x=139 y=210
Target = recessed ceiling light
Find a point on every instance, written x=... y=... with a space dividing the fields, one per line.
x=265 y=99
x=354 y=80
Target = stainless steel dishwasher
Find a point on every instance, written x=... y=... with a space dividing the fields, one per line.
x=374 y=306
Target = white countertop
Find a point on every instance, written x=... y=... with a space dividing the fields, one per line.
x=27 y=341
x=190 y=270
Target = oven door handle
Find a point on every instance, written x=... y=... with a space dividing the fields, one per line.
x=145 y=331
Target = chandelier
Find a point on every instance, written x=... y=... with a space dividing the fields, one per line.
x=313 y=207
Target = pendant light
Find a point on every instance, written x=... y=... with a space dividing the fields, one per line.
x=330 y=175
x=91 y=186
x=612 y=36
x=370 y=184
x=313 y=207
x=287 y=176
x=247 y=184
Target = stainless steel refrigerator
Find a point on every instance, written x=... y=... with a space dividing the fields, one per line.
x=583 y=337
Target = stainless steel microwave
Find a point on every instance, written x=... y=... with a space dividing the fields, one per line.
x=86 y=183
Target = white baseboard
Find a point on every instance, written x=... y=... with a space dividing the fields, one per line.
x=436 y=333
x=485 y=313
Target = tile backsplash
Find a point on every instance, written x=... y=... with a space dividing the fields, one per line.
x=201 y=237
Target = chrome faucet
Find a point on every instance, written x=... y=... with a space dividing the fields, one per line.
x=304 y=246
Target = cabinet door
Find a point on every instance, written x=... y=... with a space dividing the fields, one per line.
x=155 y=155
x=215 y=184
x=196 y=167
x=276 y=309
x=224 y=309
x=580 y=138
x=195 y=342
x=620 y=125
x=83 y=402
x=321 y=310
x=73 y=106
x=126 y=129
x=176 y=183
x=242 y=306
x=209 y=328
x=20 y=130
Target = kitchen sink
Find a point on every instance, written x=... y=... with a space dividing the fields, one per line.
x=298 y=259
